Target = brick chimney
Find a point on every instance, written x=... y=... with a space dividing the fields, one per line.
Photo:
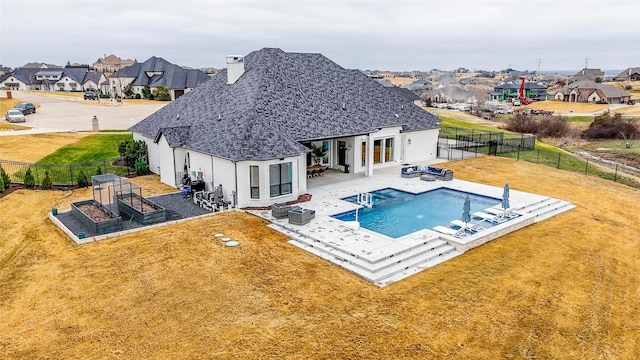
x=235 y=68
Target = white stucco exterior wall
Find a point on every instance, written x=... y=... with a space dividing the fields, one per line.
x=423 y=146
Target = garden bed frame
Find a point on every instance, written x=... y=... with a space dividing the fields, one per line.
x=98 y=227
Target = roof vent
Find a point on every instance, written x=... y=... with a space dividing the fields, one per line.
x=235 y=68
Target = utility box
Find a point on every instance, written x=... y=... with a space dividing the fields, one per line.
x=95 y=124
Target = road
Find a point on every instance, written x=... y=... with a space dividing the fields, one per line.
x=63 y=114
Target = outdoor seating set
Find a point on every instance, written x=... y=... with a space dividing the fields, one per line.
x=316 y=170
x=211 y=200
x=427 y=173
x=296 y=214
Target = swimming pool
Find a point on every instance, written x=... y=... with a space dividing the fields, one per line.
x=396 y=213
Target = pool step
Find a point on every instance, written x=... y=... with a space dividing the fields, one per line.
x=546 y=208
x=386 y=270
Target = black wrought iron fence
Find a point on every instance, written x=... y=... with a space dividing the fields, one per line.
x=61 y=175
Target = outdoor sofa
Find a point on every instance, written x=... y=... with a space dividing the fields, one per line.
x=438 y=173
x=280 y=211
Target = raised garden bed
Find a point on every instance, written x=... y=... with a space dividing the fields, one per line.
x=142 y=210
x=98 y=219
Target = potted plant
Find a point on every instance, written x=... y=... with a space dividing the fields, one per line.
x=318 y=153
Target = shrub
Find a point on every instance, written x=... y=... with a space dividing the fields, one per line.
x=628 y=87
x=83 y=181
x=131 y=150
x=5 y=178
x=138 y=96
x=161 y=93
x=29 y=180
x=1 y=185
x=606 y=126
x=46 y=182
x=141 y=166
x=99 y=170
x=553 y=127
x=522 y=123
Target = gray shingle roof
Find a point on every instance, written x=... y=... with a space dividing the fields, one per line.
x=282 y=99
x=158 y=71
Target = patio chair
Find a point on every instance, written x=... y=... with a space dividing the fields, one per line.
x=300 y=216
x=280 y=211
x=218 y=199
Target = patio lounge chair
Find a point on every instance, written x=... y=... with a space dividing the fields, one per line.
x=445 y=230
x=474 y=228
x=300 y=216
x=280 y=211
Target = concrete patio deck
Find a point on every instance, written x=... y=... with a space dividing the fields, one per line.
x=384 y=260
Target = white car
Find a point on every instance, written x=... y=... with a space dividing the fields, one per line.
x=14 y=115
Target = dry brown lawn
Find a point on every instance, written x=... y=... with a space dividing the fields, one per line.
x=31 y=148
x=565 y=288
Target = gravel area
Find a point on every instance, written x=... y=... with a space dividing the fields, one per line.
x=175 y=205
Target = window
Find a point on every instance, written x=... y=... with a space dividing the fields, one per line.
x=364 y=153
x=280 y=179
x=388 y=150
x=254 y=181
x=377 y=145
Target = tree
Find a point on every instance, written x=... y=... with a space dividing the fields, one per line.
x=5 y=178
x=83 y=180
x=128 y=91
x=29 y=180
x=131 y=150
x=141 y=166
x=629 y=132
x=161 y=93
x=46 y=182
x=146 y=91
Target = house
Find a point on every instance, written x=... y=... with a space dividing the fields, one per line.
x=110 y=64
x=153 y=73
x=407 y=94
x=588 y=91
x=630 y=74
x=54 y=79
x=510 y=90
x=251 y=127
x=588 y=74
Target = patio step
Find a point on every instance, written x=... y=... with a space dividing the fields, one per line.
x=405 y=262
x=546 y=208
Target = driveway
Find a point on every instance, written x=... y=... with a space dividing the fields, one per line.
x=57 y=114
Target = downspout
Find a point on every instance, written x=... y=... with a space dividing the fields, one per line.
x=175 y=181
x=212 y=173
x=235 y=193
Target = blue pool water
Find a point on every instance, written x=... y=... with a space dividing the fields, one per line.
x=397 y=213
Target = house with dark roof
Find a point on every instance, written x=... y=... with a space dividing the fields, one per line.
x=588 y=91
x=251 y=127
x=630 y=74
x=408 y=94
x=510 y=91
x=153 y=73
x=54 y=79
x=588 y=74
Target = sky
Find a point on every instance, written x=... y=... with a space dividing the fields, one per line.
x=395 y=35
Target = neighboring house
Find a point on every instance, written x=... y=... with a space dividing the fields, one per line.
x=251 y=127
x=630 y=74
x=110 y=64
x=510 y=90
x=4 y=70
x=20 y=79
x=39 y=65
x=54 y=79
x=407 y=94
x=588 y=74
x=588 y=91
x=155 y=72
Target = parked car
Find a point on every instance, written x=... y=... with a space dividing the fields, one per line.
x=90 y=95
x=26 y=108
x=14 y=115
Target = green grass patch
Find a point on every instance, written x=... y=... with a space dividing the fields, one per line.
x=450 y=122
x=579 y=119
x=88 y=149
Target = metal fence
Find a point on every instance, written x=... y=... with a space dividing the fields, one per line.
x=523 y=148
x=60 y=175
